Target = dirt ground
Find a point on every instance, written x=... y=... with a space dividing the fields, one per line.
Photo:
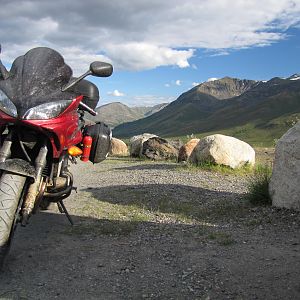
x=147 y=230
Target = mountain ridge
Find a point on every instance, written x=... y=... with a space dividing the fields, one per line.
x=196 y=112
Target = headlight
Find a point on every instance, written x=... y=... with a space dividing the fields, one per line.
x=47 y=110
x=7 y=106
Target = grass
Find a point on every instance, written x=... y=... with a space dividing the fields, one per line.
x=208 y=166
x=249 y=133
x=247 y=170
x=258 y=187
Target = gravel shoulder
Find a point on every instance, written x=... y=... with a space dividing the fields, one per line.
x=146 y=230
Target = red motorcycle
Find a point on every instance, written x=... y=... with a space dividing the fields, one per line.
x=42 y=129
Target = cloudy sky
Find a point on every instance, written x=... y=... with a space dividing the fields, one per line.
x=159 y=49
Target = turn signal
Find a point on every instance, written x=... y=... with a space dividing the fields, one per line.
x=74 y=151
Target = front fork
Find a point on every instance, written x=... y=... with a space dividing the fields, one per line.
x=34 y=188
x=32 y=194
x=38 y=186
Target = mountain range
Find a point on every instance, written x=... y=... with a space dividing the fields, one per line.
x=117 y=113
x=256 y=111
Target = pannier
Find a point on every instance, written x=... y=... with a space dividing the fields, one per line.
x=101 y=135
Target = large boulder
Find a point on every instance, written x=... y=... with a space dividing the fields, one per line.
x=118 y=148
x=136 y=143
x=284 y=185
x=223 y=150
x=186 y=150
x=157 y=148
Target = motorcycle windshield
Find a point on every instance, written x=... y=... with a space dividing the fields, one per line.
x=37 y=78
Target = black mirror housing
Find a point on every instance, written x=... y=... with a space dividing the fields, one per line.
x=97 y=68
x=101 y=69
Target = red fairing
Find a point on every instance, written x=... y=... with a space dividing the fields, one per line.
x=63 y=130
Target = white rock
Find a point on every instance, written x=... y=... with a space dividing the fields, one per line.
x=136 y=143
x=223 y=150
x=284 y=186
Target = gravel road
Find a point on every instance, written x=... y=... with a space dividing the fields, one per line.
x=146 y=230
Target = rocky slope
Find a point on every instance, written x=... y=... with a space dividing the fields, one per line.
x=226 y=87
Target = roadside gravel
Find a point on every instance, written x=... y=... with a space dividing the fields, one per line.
x=146 y=230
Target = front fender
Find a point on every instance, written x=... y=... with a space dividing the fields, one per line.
x=19 y=166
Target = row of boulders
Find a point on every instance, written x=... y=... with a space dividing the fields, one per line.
x=216 y=149
x=225 y=150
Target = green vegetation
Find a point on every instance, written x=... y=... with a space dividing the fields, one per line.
x=258 y=188
x=208 y=166
x=248 y=133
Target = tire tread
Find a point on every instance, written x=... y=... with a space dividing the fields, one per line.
x=11 y=187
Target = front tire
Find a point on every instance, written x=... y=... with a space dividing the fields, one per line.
x=11 y=187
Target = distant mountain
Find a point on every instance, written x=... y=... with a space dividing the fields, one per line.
x=117 y=113
x=226 y=87
x=244 y=108
x=294 y=77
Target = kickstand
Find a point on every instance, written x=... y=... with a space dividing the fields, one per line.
x=62 y=209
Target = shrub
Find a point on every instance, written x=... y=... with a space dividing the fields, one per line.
x=258 y=187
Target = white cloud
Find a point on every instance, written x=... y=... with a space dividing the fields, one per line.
x=141 y=56
x=167 y=85
x=116 y=93
x=148 y=100
x=138 y=35
x=219 y=53
x=211 y=79
x=178 y=82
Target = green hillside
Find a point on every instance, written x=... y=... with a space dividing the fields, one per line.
x=259 y=115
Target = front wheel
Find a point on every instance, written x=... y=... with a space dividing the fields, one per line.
x=11 y=187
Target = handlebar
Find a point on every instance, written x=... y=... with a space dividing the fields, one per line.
x=87 y=108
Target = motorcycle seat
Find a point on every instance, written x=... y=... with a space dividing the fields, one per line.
x=89 y=91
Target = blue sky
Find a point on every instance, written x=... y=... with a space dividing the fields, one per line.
x=159 y=49
x=280 y=59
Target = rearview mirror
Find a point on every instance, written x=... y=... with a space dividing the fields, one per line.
x=97 y=68
x=101 y=69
